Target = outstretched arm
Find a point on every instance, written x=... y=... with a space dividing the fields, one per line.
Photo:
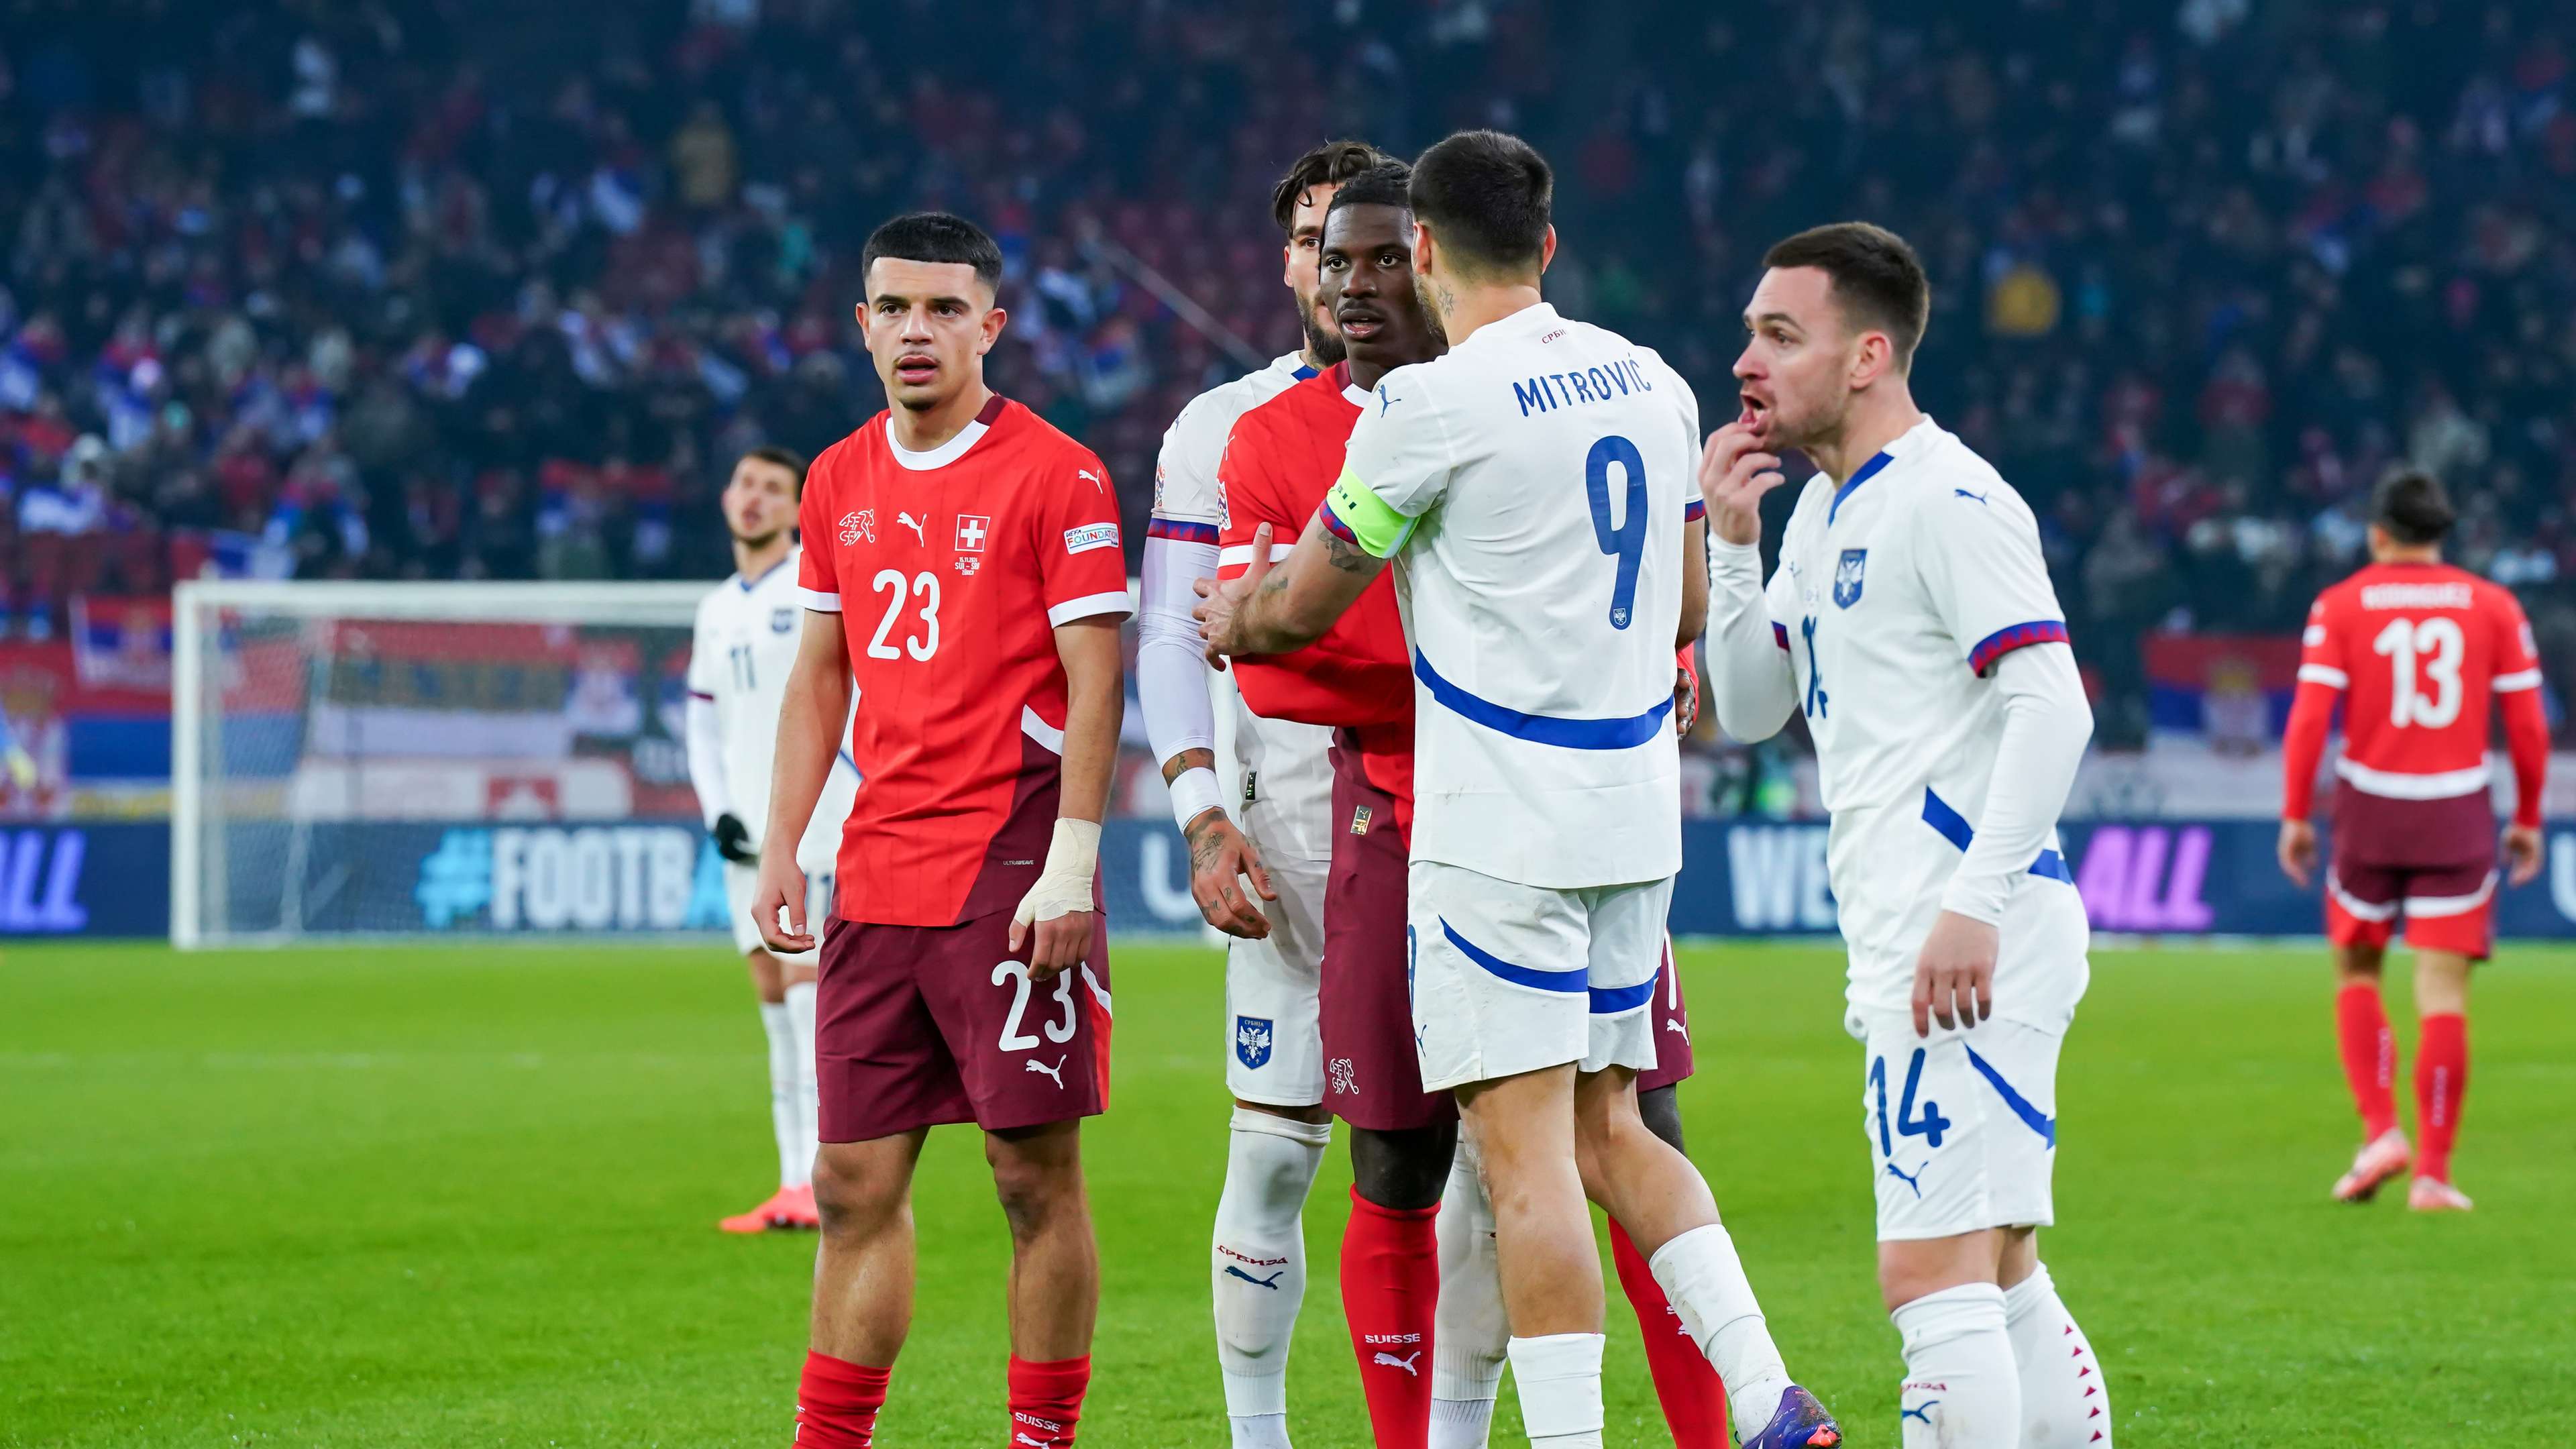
x=1277 y=608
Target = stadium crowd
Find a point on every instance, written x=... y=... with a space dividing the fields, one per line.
x=295 y=288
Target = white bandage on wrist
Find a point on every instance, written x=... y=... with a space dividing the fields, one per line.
x=1195 y=792
x=1065 y=885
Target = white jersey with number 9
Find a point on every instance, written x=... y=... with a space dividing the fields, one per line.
x=1531 y=487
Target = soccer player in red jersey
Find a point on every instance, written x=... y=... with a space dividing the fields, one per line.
x=1280 y=460
x=2421 y=653
x=966 y=556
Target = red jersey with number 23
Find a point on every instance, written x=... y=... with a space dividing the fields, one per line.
x=950 y=570
x=2420 y=652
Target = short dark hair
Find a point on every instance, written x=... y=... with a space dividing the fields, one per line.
x=785 y=458
x=2413 y=506
x=1486 y=196
x=934 y=236
x=1385 y=185
x=1877 y=279
x=1330 y=164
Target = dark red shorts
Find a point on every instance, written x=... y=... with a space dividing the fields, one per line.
x=2430 y=861
x=1672 y=1027
x=915 y=1026
x=1372 y=1078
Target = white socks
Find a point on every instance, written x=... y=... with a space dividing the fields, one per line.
x=1559 y=1378
x=1257 y=1264
x=800 y=1023
x=1473 y=1335
x=1962 y=1386
x=1704 y=1281
x=2063 y=1402
x=789 y=1091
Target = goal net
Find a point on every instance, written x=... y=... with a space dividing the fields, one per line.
x=355 y=759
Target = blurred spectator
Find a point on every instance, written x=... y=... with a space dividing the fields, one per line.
x=461 y=289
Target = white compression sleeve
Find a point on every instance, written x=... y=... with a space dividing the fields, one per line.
x=1171 y=662
x=706 y=761
x=1749 y=681
x=2046 y=726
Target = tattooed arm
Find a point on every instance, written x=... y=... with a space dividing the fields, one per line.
x=1275 y=609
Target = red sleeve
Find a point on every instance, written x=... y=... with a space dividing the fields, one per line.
x=2526 y=723
x=817 y=573
x=1249 y=492
x=2321 y=683
x=1082 y=572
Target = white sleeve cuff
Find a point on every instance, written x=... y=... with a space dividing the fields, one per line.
x=819 y=602
x=1089 y=606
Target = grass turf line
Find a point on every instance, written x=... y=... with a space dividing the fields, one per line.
x=465 y=1195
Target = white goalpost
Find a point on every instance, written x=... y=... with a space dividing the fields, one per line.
x=369 y=759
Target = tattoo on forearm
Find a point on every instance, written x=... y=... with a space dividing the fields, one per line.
x=1187 y=760
x=1345 y=556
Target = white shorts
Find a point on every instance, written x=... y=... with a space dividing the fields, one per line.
x=739 y=883
x=1962 y=1126
x=1275 y=1044
x=1509 y=978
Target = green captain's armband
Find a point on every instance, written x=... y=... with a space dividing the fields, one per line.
x=1358 y=516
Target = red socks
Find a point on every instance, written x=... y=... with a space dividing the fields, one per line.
x=1694 y=1401
x=1391 y=1295
x=837 y=1403
x=1046 y=1400
x=2369 y=1056
x=2441 y=1080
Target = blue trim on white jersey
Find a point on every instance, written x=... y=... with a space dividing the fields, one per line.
x=1866 y=472
x=2031 y=1117
x=1954 y=828
x=750 y=584
x=1304 y=372
x=1543 y=729
x=1566 y=981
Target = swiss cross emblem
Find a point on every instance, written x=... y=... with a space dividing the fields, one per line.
x=860 y=523
x=972 y=528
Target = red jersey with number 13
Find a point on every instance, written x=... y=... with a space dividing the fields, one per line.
x=2419 y=652
x=949 y=570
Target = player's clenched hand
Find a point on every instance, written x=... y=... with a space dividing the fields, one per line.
x=2521 y=853
x=1954 y=979
x=1220 y=615
x=1057 y=916
x=2298 y=851
x=1220 y=857
x=1734 y=473
x=781 y=886
x=1685 y=701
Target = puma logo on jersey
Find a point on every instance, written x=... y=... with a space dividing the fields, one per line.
x=1095 y=478
x=1056 y=1071
x=908 y=521
x=1405 y=1363
x=1964 y=493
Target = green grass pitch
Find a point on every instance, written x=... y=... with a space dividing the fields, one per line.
x=465 y=1196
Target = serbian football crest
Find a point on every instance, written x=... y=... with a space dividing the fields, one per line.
x=1252 y=1040
x=1847 y=577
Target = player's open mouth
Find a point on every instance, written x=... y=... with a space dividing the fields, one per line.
x=915 y=368
x=1359 y=326
x=1756 y=410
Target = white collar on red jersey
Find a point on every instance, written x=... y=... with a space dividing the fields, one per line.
x=947 y=452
